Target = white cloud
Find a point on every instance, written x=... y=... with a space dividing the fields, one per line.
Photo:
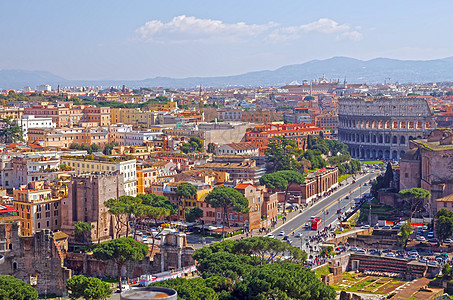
x=191 y=28
x=323 y=26
x=187 y=28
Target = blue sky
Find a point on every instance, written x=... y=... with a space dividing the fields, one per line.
x=142 y=39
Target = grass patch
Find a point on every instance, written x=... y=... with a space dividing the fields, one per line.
x=344 y=230
x=343 y=177
x=324 y=270
x=371 y=162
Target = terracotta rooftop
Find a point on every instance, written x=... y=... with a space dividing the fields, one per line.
x=448 y=198
x=242 y=146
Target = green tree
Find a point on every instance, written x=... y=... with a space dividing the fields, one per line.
x=447 y=271
x=211 y=148
x=189 y=289
x=281 y=180
x=228 y=199
x=415 y=198
x=282 y=281
x=281 y=155
x=194 y=214
x=15 y=289
x=120 y=251
x=89 y=288
x=405 y=233
x=309 y=98
x=185 y=191
x=108 y=148
x=444 y=224
x=10 y=132
x=83 y=232
x=194 y=145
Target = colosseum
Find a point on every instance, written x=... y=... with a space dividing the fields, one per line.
x=382 y=127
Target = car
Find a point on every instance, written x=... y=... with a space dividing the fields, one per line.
x=360 y=251
x=353 y=249
x=312 y=217
x=386 y=251
x=396 y=227
x=390 y=254
x=412 y=257
x=433 y=262
x=412 y=252
x=377 y=252
x=422 y=260
x=286 y=237
x=376 y=226
x=386 y=227
x=289 y=241
x=424 y=227
x=298 y=235
x=365 y=227
x=433 y=240
x=340 y=249
x=448 y=241
x=282 y=233
x=125 y=287
x=347 y=198
x=421 y=238
x=430 y=234
x=270 y=235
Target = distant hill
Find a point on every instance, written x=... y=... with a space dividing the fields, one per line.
x=353 y=70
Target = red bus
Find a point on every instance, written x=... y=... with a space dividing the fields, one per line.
x=316 y=223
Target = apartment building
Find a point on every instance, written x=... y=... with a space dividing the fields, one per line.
x=106 y=164
x=64 y=137
x=37 y=208
x=31 y=167
x=30 y=121
x=261 y=135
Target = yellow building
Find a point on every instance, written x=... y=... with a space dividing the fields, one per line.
x=37 y=208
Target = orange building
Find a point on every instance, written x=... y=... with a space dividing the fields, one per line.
x=261 y=135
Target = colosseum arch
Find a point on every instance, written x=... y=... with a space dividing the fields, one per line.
x=368 y=124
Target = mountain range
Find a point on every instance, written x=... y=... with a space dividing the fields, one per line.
x=353 y=70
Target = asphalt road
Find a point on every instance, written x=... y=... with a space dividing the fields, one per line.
x=328 y=204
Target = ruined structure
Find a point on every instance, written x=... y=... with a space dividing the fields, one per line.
x=429 y=165
x=37 y=260
x=85 y=203
x=382 y=127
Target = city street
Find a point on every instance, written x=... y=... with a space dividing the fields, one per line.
x=328 y=204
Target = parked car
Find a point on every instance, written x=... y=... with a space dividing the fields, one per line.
x=286 y=237
x=430 y=234
x=432 y=240
x=421 y=238
x=353 y=249
x=298 y=235
x=365 y=227
x=376 y=226
x=396 y=227
x=386 y=227
x=282 y=233
x=412 y=252
x=424 y=227
x=412 y=257
x=390 y=254
x=360 y=251
x=270 y=235
x=448 y=241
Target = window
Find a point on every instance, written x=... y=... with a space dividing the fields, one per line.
x=218 y=215
x=445 y=204
x=39 y=224
x=56 y=222
x=406 y=175
x=47 y=223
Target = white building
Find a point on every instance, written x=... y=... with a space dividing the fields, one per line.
x=44 y=88
x=125 y=136
x=241 y=148
x=30 y=121
x=229 y=114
